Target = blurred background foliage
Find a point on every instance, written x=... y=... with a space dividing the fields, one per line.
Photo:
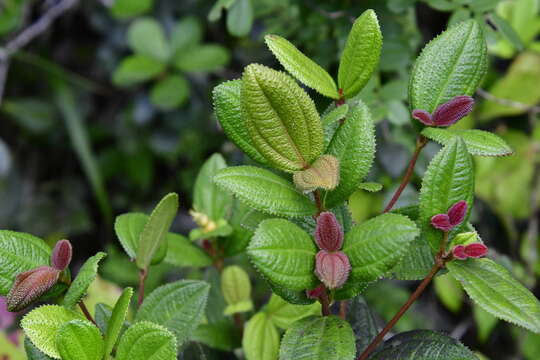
x=110 y=108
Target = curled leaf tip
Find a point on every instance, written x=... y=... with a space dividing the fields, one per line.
x=332 y=268
x=328 y=232
x=61 y=255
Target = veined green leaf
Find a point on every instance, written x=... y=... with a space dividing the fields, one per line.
x=318 y=338
x=236 y=289
x=261 y=338
x=182 y=252
x=422 y=345
x=362 y=322
x=283 y=314
x=284 y=254
x=301 y=67
x=136 y=69
x=116 y=322
x=227 y=106
x=179 y=306
x=494 y=289
x=282 y=120
x=361 y=54
x=478 y=142
x=452 y=64
x=145 y=340
x=377 y=245
x=207 y=197
x=265 y=191
x=354 y=146
x=156 y=229
x=449 y=178
x=84 y=278
x=42 y=323
x=19 y=252
x=146 y=37
x=416 y=262
x=79 y=340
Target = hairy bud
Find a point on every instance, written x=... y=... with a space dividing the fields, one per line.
x=474 y=250
x=328 y=233
x=441 y=222
x=30 y=285
x=332 y=268
x=452 y=218
x=61 y=255
x=447 y=114
x=459 y=252
x=323 y=174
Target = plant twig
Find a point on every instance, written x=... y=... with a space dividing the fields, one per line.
x=143 y=274
x=421 y=142
x=507 y=102
x=343 y=309
x=86 y=313
x=325 y=302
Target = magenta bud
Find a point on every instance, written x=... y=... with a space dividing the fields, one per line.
x=457 y=212
x=453 y=110
x=30 y=285
x=332 y=268
x=459 y=252
x=441 y=222
x=476 y=250
x=423 y=116
x=315 y=293
x=61 y=255
x=328 y=233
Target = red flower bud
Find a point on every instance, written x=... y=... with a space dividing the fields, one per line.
x=459 y=252
x=476 y=250
x=328 y=233
x=332 y=268
x=61 y=255
x=423 y=116
x=457 y=212
x=441 y=222
x=453 y=110
x=30 y=285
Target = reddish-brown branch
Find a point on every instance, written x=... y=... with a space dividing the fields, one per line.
x=325 y=302
x=85 y=311
x=143 y=274
x=343 y=309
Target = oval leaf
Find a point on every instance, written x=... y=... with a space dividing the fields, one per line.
x=136 y=69
x=182 y=252
x=283 y=314
x=116 y=322
x=84 y=278
x=282 y=120
x=478 y=142
x=207 y=197
x=79 y=340
x=146 y=340
x=170 y=92
x=240 y=18
x=201 y=58
x=261 y=339
x=145 y=37
x=236 y=289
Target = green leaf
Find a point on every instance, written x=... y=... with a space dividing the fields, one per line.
x=449 y=292
x=32 y=352
x=217 y=9
x=146 y=37
x=207 y=197
x=301 y=67
x=261 y=338
x=284 y=254
x=244 y=221
x=125 y=9
x=219 y=336
x=318 y=338
x=182 y=252
x=354 y=146
x=485 y=323
x=79 y=340
x=179 y=306
x=170 y=92
x=84 y=278
x=283 y=314
x=35 y=115
x=338 y=113
x=265 y=191
x=202 y=58
x=41 y=324
x=222 y=229
x=449 y=178
x=297 y=297
x=361 y=54
x=236 y=289
x=422 y=345
x=156 y=229
x=362 y=322
x=494 y=289
x=240 y=18
x=507 y=31
x=416 y=262
x=478 y=142
x=377 y=245
x=452 y=64
x=146 y=340
x=226 y=97
x=185 y=34
x=19 y=252
x=282 y=120
x=135 y=69
x=370 y=186
x=116 y=322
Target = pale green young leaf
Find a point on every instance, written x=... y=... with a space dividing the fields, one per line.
x=222 y=229
x=156 y=229
x=361 y=54
x=370 y=186
x=19 y=252
x=376 y=246
x=354 y=146
x=282 y=120
x=207 y=197
x=452 y=64
x=478 y=142
x=202 y=58
x=236 y=289
x=41 y=324
x=179 y=306
x=449 y=178
x=116 y=321
x=261 y=338
x=265 y=191
x=337 y=113
x=182 y=252
x=145 y=340
x=449 y=292
x=125 y=9
x=226 y=97
x=494 y=289
x=284 y=254
x=136 y=69
x=318 y=338
x=506 y=30
x=485 y=323
x=146 y=37
x=283 y=314
x=301 y=67
x=240 y=18
x=85 y=277
x=422 y=345
x=79 y=340
x=170 y=92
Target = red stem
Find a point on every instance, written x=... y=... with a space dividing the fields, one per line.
x=143 y=274
x=86 y=313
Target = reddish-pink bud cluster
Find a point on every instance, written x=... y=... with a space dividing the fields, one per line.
x=448 y=113
x=452 y=218
x=474 y=250
x=328 y=233
x=61 y=255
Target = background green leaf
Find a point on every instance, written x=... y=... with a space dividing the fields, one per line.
x=116 y=321
x=182 y=252
x=170 y=92
x=207 y=197
x=124 y=9
x=240 y=18
x=135 y=69
x=146 y=37
x=207 y=57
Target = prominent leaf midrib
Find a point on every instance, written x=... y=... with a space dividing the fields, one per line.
x=273 y=181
